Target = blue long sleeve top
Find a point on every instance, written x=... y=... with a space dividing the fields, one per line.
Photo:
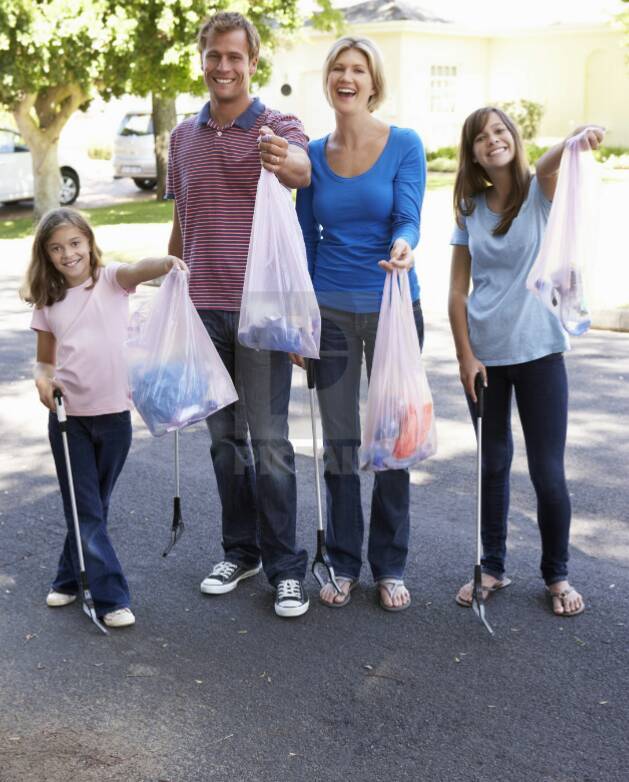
x=350 y=223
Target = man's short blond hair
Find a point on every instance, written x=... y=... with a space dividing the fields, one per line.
x=374 y=63
x=225 y=22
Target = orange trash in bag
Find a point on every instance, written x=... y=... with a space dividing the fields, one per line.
x=412 y=433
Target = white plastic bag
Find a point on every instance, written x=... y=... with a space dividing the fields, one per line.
x=279 y=309
x=400 y=421
x=569 y=242
x=175 y=373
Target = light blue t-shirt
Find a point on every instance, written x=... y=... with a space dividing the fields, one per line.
x=350 y=223
x=507 y=323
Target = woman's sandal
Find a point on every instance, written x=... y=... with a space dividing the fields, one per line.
x=353 y=583
x=392 y=587
x=562 y=598
x=487 y=591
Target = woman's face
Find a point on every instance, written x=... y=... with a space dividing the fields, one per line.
x=494 y=146
x=349 y=83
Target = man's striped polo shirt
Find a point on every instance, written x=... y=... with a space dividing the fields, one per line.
x=213 y=174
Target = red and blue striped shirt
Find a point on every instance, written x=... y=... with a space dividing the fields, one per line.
x=213 y=175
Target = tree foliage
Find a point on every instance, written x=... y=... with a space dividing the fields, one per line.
x=526 y=114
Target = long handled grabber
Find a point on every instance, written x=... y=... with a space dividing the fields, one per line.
x=177 y=526
x=88 y=602
x=321 y=566
x=478 y=601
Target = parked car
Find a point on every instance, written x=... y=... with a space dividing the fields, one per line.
x=16 y=172
x=134 y=149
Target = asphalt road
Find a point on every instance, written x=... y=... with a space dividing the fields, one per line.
x=220 y=689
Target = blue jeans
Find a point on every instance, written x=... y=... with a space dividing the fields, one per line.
x=541 y=392
x=98 y=448
x=255 y=477
x=345 y=336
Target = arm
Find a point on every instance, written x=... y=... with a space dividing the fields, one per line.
x=460 y=274
x=289 y=162
x=44 y=373
x=310 y=228
x=175 y=243
x=547 y=167
x=409 y=187
x=129 y=275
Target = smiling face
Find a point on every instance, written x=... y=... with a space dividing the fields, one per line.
x=227 y=68
x=494 y=146
x=68 y=250
x=350 y=84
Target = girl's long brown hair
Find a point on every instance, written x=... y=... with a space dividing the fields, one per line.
x=43 y=284
x=472 y=180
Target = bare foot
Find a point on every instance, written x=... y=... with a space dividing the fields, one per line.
x=566 y=600
x=490 y=584
x=331 y=597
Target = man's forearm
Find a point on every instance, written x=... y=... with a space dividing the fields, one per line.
x=295 y=172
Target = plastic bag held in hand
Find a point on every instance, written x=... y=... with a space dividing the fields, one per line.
x=175 y=373
x=279 y=309
x=400 y=421
x=569 y=242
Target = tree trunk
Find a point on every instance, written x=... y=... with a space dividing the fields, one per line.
x=46 y=175
x=164 y=120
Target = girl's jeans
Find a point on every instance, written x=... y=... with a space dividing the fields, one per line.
x=344 y=338
x=98 y=448
x=541 y=392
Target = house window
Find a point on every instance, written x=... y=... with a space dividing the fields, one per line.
x=442 y=88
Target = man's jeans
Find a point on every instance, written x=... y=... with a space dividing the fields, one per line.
x=344 y=338
x=256 y=478
x=541 y=392
x=98 y=448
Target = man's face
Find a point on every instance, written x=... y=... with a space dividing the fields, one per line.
x=227 y=69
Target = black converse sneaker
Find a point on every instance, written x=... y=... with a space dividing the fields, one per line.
x=290 y=598
x=225 y=577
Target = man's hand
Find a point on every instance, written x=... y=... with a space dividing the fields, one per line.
x=273 y=150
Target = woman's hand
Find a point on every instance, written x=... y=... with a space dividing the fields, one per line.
x=401 y=257
x=469 y=367
x=297 y=360
x=273 y=150
x=595 y=135
x=172 y=262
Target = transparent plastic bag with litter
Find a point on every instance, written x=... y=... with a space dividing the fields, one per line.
x=400 y=421
x=279 y=309
x=559 y=273
x=175 y=373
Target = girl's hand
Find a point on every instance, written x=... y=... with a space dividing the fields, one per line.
x=45 y=388
x=172 y=262
x=297 y=360
x=468 y=369
x=401 y=257
x=595 y=135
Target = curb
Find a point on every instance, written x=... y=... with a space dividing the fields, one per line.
x=611 y=320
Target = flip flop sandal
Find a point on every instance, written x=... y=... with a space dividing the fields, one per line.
x=353 y=583
x=392 y=586
x=562 y=596
x=487 y=591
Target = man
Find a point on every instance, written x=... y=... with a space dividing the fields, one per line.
x=213 y=171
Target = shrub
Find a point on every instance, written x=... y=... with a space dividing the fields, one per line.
x=534 y=152
x=450 y=153
x=526 y=114
x=99 y=153
x=442 y=164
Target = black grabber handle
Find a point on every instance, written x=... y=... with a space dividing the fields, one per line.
x=310 y=372
x=61 y=411
x=479 y=389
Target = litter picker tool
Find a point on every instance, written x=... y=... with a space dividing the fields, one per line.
x=321 y=566
x=478 y=601
x=88 y=602
x=177 y=525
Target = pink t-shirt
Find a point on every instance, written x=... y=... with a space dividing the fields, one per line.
x=90 y=329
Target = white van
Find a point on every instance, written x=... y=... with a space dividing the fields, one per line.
x=134 y=149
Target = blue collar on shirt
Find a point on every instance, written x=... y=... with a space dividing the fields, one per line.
x=245 y=121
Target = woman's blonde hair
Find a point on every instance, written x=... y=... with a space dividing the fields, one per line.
x=374 y=63
x=472 y=180
x=43 y=284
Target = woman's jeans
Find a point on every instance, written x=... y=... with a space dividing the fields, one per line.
x=541 y=392
x=256 y=479
x=344 y=338
x=98 y=448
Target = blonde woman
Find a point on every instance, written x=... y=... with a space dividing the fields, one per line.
x=360 y=218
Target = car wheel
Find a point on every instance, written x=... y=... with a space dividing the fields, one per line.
x=146 y=184
x=69 y=186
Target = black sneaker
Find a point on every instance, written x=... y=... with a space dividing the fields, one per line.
x=290 y=598
x=225 y=577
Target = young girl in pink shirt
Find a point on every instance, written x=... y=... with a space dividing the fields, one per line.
x=81 y=312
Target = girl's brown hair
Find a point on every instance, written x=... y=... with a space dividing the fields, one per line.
x=472 y=180
x=43 y=284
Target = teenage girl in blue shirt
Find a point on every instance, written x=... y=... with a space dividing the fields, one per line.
x=506 y=334
x=360 y=218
